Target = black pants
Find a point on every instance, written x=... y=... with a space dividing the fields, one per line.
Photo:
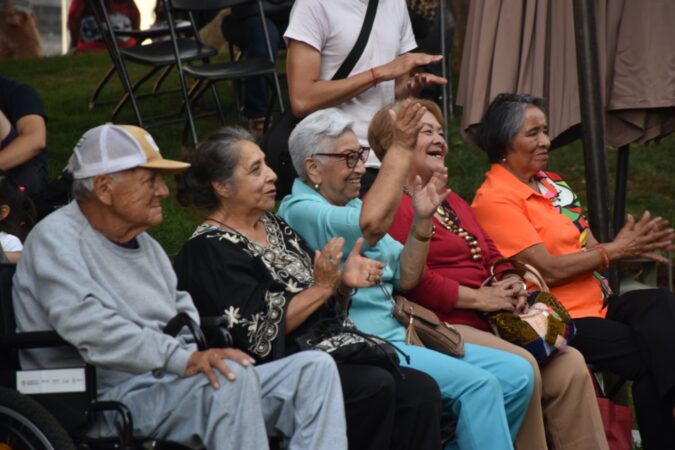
x=637 y=341
x=385 y=411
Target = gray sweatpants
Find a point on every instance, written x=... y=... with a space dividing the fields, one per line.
x=301 y=400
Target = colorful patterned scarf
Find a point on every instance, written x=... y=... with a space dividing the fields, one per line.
x=567 y=203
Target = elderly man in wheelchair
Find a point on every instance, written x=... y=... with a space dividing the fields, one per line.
x=90 y=272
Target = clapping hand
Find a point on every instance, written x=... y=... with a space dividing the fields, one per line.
x=360 y=271
x=327 y=264
x=407 y=123
x=426 y=199
x=642 y=239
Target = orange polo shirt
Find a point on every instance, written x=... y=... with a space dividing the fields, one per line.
x=516 y=217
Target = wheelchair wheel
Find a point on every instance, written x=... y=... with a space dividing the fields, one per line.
x=27 y=425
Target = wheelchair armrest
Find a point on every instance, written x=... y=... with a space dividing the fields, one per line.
x=216 y=332
x=33 y=339
x=181 y=320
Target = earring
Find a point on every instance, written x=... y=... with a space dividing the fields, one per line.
x=316 y=186
x=503 y=160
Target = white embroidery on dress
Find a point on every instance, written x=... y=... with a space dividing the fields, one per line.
x=288 y=265
x=232 y=316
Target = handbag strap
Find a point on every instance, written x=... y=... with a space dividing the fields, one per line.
x=527 y=271
x=356 y=52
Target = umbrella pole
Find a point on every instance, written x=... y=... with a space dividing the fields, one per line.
x=592 y=127
x=446 y=90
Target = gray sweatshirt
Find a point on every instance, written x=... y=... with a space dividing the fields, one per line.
x=108 y=301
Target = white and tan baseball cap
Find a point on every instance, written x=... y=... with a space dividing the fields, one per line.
x=112 y=148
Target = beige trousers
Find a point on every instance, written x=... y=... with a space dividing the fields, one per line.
x=563 y=404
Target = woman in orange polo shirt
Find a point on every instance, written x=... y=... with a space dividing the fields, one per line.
x=535 y=217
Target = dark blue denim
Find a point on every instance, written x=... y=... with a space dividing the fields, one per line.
x=248 y=35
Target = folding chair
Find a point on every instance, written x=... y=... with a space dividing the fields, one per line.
x=206 y=75
x=160 y=31
x=157 y=55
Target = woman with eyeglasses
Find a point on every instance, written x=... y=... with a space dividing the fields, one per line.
x=278 y=297
x=485 y=389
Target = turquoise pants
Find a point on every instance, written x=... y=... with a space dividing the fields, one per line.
x=487 y=390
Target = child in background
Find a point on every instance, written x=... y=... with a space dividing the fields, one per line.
x=17 y=217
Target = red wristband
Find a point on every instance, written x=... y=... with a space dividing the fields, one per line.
x=604 y=258
x=375 y=80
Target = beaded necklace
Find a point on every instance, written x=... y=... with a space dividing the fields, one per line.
x=450 y=222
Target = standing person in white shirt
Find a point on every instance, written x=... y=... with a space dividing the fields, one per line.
x=319 y=37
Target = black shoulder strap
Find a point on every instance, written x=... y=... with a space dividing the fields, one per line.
x=356 y=52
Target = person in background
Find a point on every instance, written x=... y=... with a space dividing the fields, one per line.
x=459 y=261
x=19 y=36
x=83 y=27
x=17 y=217
x=319 y=37
x=243 y=28
x=534 y=216
x=92 y=273
x=23 y=135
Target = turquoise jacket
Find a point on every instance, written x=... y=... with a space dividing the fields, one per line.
x=317 y=221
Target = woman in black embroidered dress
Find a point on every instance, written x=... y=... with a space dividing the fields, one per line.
x=246 y=264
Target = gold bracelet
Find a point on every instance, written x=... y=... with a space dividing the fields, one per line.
x=421 y=237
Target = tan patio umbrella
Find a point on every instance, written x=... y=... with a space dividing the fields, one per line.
x=528 y=46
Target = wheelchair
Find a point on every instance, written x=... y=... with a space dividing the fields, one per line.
x=52 y=409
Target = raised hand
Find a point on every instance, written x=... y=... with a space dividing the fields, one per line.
x=426 y=199
x=327 y=264
x=359 y=271
x=405 y=64
x=208 y=360
x=407 y=124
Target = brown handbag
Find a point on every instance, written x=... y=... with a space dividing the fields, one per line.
x=424 y=328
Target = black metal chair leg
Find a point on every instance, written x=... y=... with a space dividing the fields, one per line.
x=101 y=85
x=162 y=77
x=219 y=106
x=131 y=95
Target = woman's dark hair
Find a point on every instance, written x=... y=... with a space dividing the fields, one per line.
x=215 y=159
x=502 y=122
x=22 y=214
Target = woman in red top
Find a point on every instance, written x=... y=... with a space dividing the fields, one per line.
x=458 y=262
x=534 y=216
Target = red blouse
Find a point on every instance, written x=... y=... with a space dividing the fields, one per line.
x=449 y=263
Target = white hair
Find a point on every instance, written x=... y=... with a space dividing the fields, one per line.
x=316 y=133
x=83 y=187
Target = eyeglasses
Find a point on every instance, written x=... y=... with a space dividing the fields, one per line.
x=351 y=157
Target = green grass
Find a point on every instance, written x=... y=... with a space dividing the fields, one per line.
x=65 y=84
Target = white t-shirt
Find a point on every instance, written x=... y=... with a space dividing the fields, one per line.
x=332 y=27
x=10 y=243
